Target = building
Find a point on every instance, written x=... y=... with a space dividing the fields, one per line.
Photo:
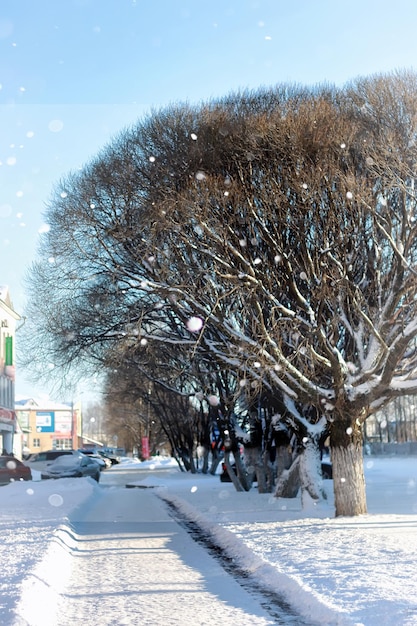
x=47 y=425
x=8 y=423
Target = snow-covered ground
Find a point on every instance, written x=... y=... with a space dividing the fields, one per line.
x=335 y=571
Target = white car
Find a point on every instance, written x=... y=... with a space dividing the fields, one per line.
x=41 y=460
x=73 y=466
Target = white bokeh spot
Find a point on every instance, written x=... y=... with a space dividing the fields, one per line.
x=55 y=126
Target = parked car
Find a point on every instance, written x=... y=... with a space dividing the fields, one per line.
x=41 y=460
x=11 y=469
x=73 y=466
x=224 y=476
x=114 y=460
x=327 y=469
x=104 y=463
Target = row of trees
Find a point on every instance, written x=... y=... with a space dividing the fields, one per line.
x=395 y=423
x=255 y=256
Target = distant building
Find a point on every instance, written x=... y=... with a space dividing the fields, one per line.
x=8 y=423
x=47 y=425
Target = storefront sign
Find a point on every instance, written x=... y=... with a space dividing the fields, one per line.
x=45 y=421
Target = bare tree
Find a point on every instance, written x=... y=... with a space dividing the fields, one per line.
x=273 y=231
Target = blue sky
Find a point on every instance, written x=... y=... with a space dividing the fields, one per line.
x=73 y=73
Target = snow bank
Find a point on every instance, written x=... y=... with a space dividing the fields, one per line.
x=303 y=599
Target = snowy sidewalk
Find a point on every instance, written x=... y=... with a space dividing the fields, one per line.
x=115 y=563
x=125 y=561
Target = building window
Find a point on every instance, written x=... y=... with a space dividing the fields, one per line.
x=36 y=443
x=62 y=444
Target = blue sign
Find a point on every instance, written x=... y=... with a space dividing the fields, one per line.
x=45 y=421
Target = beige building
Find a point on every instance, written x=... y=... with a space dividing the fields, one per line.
x=47 y=425
x=8 y=423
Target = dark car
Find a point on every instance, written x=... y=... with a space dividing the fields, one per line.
x=73 y=467
x=12 y=469
x=48 y=455
x=326 y=469
x=104 y=463
x=114 y=460
x=224 y=476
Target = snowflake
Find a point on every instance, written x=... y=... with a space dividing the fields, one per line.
x=194 y=324
x=213 y=400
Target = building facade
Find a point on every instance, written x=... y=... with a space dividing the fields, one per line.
x=8 y=423
x=47 y=425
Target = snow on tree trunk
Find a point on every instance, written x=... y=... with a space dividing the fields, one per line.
x=310 y=475
x=288 y=484
x=348 y=473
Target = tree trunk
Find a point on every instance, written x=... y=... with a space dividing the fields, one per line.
x=288 y=484
x=193 y=467
x=205 y=467
x=347 y=461
x=245 y=478
x=283 y=459
x=233 y=476
x=255 y=466
x=180 y=464
x=270 y=469
x=215 y=461
x=310 y=474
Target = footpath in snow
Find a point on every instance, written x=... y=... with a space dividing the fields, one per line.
x=124 y=560
x=76 y=552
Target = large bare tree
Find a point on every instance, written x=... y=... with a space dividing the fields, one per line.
x=274 y=231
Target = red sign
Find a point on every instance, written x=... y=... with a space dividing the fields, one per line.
x=7 y=416
x=145 y=447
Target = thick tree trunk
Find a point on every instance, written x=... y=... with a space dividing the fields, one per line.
x=347 y=461
x=245 y=478
x=270 y=469
x=193 y=467
x=283 y=459
x=256 y=467
x=288 y=484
